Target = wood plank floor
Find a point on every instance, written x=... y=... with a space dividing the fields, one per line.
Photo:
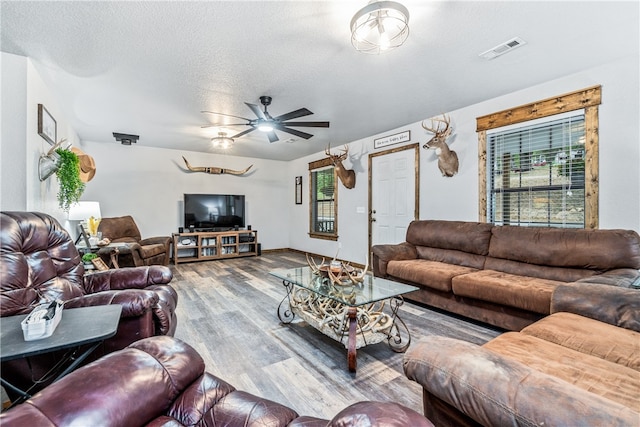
x=227 y=311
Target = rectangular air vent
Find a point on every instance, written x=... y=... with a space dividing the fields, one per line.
x=503 y=48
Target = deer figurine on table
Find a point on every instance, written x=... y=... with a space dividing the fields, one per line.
x=347 y=176
x=447 y=159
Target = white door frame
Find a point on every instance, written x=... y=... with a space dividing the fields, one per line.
x=416 y=148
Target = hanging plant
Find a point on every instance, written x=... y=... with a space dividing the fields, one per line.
x=68 y=173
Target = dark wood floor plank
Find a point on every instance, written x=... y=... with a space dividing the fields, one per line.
x=227 y=310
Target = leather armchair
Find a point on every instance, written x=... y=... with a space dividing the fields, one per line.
x=139 y=251
x=39 y=262
x=161 y=381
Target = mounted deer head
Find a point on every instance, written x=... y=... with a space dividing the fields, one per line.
x=447 y=159
x=347 y=177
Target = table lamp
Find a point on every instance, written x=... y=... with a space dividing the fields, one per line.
x=82 y=211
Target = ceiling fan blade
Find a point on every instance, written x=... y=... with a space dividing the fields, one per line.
x=223 y=125
x=228 y=115
x=272 y=136
x=292 y=131
x=293 y=115
x=308 y=124
x=256 y=110
x=244 y=132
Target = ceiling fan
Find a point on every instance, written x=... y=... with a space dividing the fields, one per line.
x=265 y=123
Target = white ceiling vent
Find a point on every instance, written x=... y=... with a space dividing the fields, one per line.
x=503 y=48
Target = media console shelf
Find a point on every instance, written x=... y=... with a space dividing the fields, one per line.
x=210 y=245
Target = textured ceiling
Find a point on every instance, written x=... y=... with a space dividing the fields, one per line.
x=149 y=68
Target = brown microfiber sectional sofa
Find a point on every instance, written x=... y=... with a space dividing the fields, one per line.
x=579 y=366
x=504 y=275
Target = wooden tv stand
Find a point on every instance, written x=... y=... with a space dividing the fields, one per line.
x=210 y=245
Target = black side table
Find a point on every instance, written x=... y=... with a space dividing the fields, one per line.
x=78 y=327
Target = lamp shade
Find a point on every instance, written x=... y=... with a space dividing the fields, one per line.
x=380 y=26
x=82 y=210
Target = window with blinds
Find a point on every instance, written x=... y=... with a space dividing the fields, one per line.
x=323 y=202
x=536 y=173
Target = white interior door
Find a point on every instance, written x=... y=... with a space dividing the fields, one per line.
x=393 y=195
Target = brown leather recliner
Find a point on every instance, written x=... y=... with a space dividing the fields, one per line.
x=161 y=381
x=139 y=251
x=39 y=262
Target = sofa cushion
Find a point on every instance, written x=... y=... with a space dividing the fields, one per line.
x=527 y=293
x=589 y=336
x=561 y=274
x=615 y=382
x=469 y=237
x=433 y=274
x=589 y=249
x=451 y=256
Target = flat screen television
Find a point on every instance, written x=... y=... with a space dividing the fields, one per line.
x=213 y=212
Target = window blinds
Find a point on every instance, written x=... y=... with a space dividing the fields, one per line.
x=536 y=173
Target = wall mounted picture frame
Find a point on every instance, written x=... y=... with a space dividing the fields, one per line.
x=392 y=139
x=47 y=126
x=298 y=190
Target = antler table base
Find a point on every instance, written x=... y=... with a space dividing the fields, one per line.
x=355 y=326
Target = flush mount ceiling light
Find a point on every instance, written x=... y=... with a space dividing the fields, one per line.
x=125 y=138
x=380 y=26
x=222 y=141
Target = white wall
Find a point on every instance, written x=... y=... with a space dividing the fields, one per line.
x=22 y=90
x=13 y=150
x=149 y=183
x=456 y=198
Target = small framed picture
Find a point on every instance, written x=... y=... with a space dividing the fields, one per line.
x=47 y=126
x=99 y=264
x=298 y=190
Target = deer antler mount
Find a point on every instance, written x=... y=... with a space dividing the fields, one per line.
x=347 y=176
x=447 y=159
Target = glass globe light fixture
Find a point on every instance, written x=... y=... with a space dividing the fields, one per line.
x=222 y=141
x=380 y=26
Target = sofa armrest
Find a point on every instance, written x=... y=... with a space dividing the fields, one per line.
x=494 y=390
x=127 y=278
x=134 y=302
x=610 y=304
x=622 y=277
x=157 y=240
x=382 y=254
x=386 y=414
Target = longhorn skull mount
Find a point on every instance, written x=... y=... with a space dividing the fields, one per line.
x=215 y=170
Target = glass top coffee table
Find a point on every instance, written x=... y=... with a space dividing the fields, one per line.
x=355 y=315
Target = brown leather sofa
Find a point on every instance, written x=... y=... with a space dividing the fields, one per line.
x=504 y=275
x=580 y=366
x=139 y=251
x=39 y=262
x=161 y=381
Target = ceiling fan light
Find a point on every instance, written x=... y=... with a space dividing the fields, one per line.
x=222 y=141
x=265 y=127
x=380 y=26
